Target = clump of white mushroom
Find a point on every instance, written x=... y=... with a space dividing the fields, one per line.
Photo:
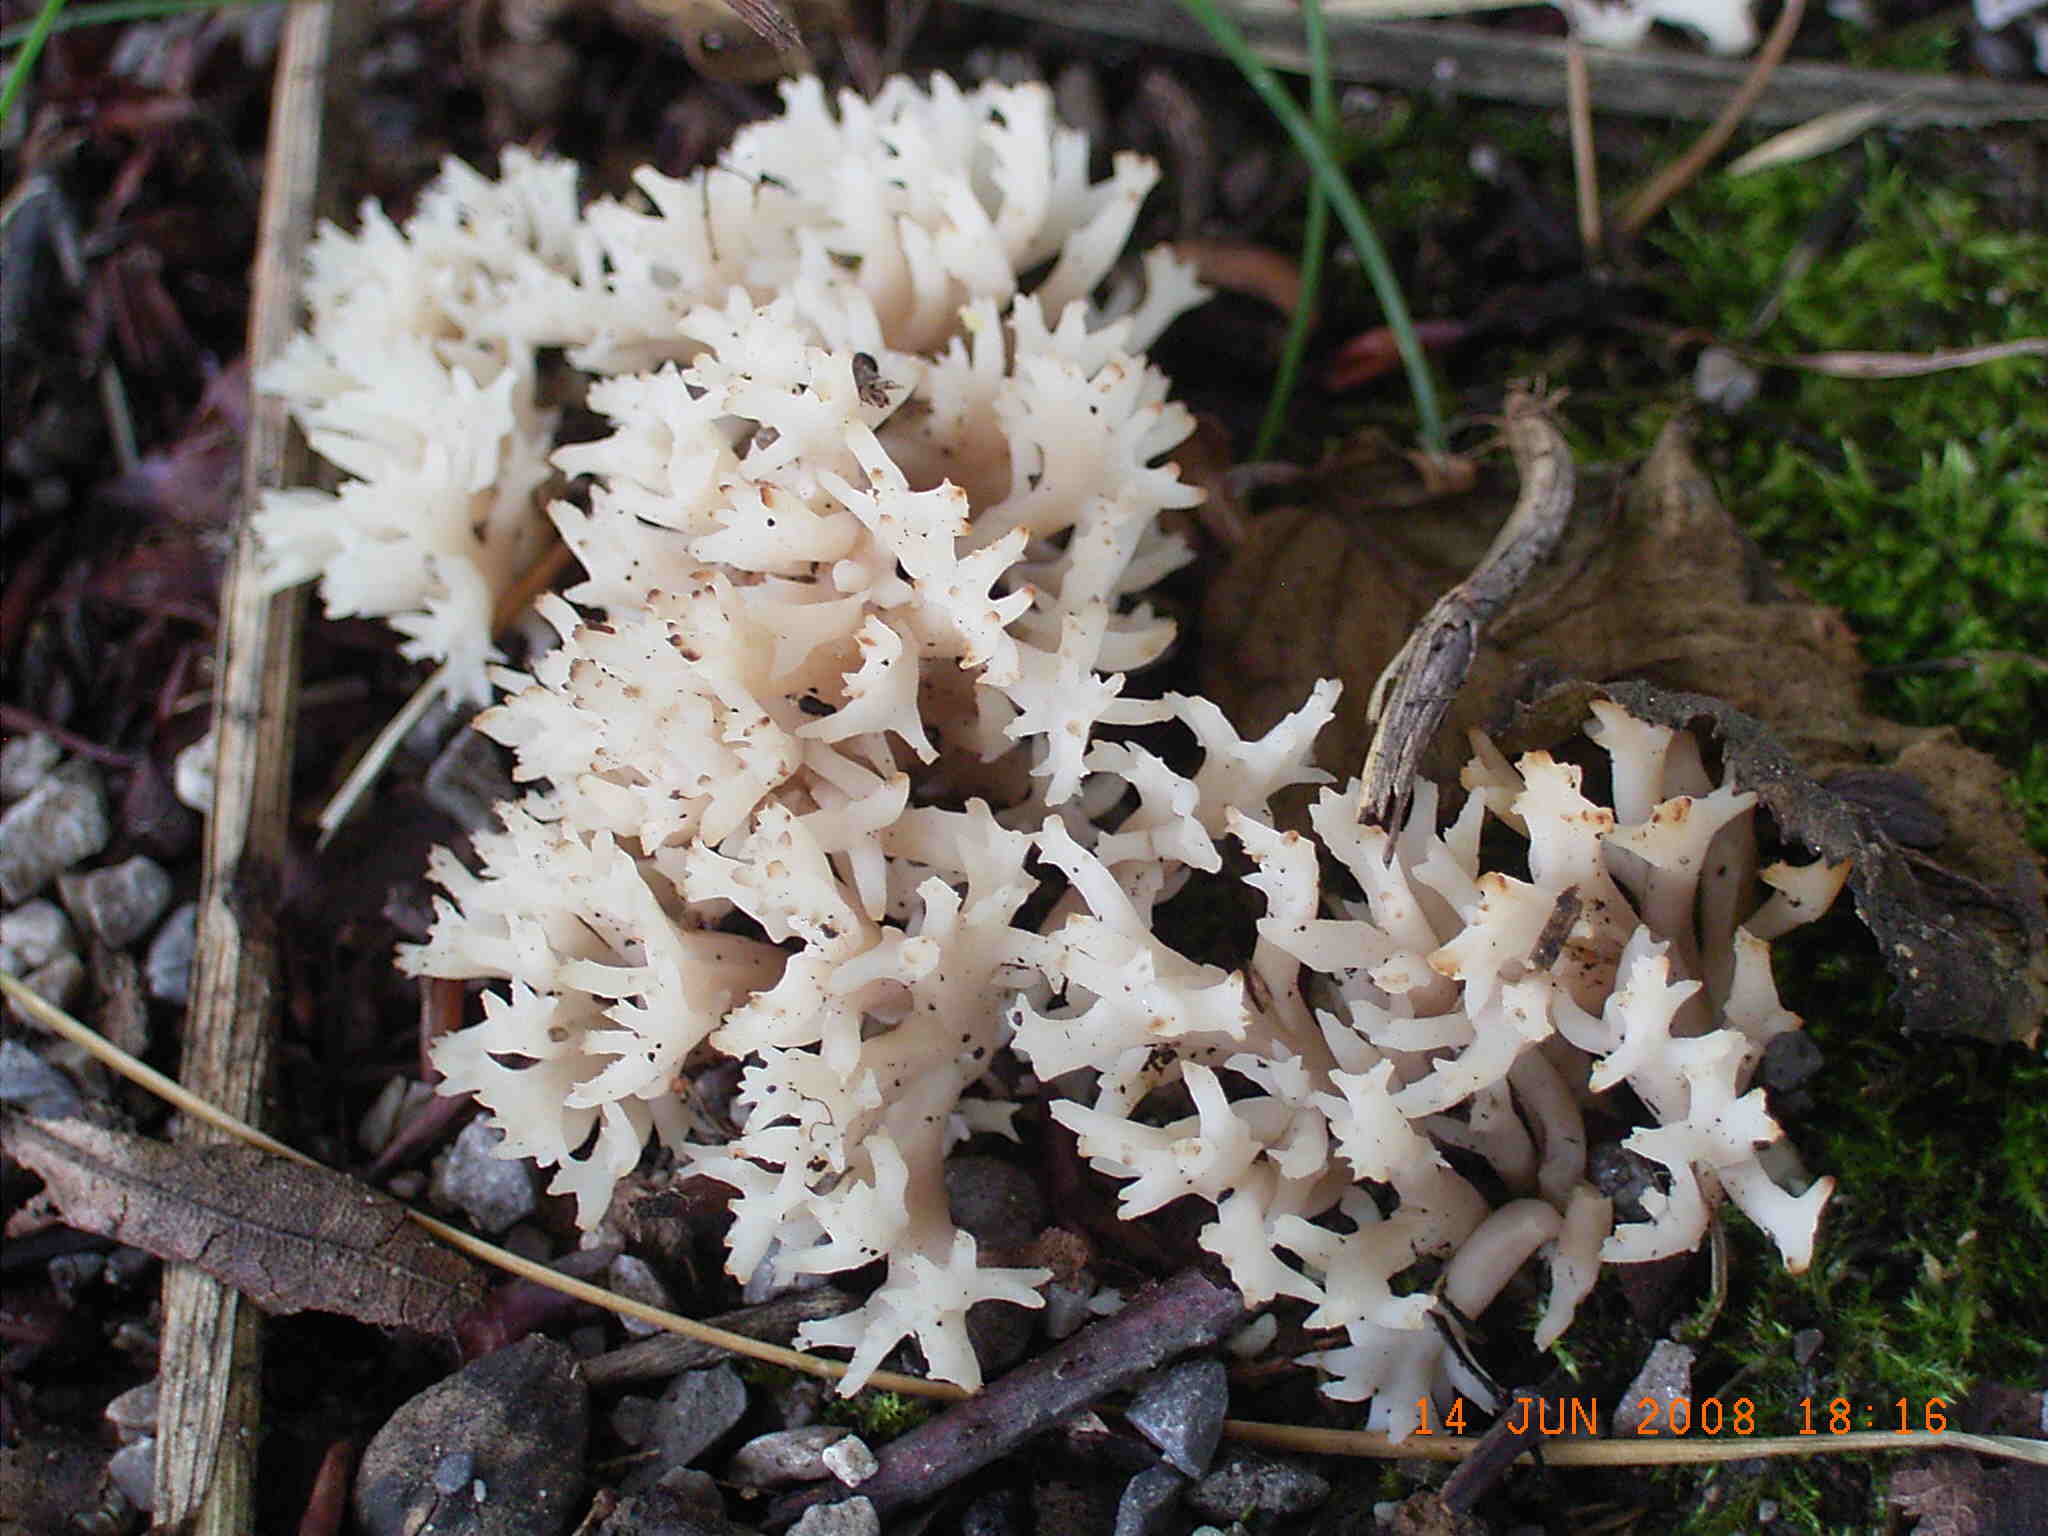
x=818 y=777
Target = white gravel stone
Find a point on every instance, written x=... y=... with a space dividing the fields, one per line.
x=33 y=935
x=849 y=1517
x=494 y=1192
x=168 y=967
x=132 y=1469
x=61 y=823
x=122 y=902
x=24 y=761
x=850 y=1460
x=192 y=775
x=631 y=1278
x=32 y=1085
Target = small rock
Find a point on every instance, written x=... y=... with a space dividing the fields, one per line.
x=133 y=1413
x=1790 y=1060
x=58 y=982
x=632 y=1278
x=1181 y=1410
x=690 y=1506
x=122 y=902
x=1665 y=1377
x=33 y=935
x=62 y=822
x=996 y=1201
x=25 y=761
x=515 y=1422
x=30 y=1084
x=192 y=775
x=132 y=1469
x=699 y=1409
x=850 y=1517
x=1248 y=1482
x=1724 y=381
x=1057 y=1506
x=494 y=1192
x=850 y=1460
x=632 y=1419
x=168 y=966
x=1149 y=1502
x=785 y=1456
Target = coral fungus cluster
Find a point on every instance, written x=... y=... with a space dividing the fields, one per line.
x=834 y=772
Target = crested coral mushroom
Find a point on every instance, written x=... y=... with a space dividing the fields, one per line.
x=833 y=768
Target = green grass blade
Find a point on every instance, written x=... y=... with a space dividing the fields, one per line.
x=31 y=49
x=1322 y=107
x=1350 y=212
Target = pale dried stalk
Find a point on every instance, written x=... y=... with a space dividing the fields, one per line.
x=210 y=1367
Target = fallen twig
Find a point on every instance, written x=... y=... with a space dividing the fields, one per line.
x=1190 y=1311
x=1416 y=689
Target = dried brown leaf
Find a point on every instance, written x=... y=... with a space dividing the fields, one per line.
x=289 y=1237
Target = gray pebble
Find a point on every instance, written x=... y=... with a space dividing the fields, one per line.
x=58 y=982
x=168 y=966
x=33 y=935
x=133 y=1413
x=1248 y=1483
x=132 y=1469
x=122 y=902
x=699 y=1409
x=785 y=1456
x=1181 y=1410
x=996 y=1201
x=30 y=1084
x=1149 y=1502
x=515 y=1421
x=851 y=1461
x=24 y=763
x=1665 y=1377
x=632 y=1419
x=494 y=1192
x=1724 y=381
x=632 y=1278
x=1790 y=1060
x=61 y=823
x=684 y=1504
x=850 y=1517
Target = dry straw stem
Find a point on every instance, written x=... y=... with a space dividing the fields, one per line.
x=208 y=1425
x=1651 y=197
x=1292 y=1437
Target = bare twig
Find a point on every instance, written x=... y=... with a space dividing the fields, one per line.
x=1416 y=689
x=1675 y=177
x=1190 y=1311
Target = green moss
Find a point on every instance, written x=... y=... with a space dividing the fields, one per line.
x=878 y=1416
x=1918 y=506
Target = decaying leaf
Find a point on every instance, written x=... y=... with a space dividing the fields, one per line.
x=289 y=1237
x=746 y=41
x=1654 y=583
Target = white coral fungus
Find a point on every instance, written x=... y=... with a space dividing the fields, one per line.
x=819 y=782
